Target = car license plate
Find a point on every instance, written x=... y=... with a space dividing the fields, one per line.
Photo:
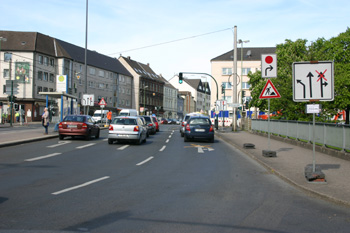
x=199 y=130
x=72 y=126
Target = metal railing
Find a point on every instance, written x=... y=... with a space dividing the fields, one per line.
x=328 y=135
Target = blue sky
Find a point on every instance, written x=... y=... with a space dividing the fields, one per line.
x=115 y=27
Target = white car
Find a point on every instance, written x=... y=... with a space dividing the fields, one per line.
x=130 y=129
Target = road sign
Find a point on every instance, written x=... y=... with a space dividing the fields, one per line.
x=102 y=103
x=269 y=91
x=313 y=81
x=88 y=100
x=268 y=66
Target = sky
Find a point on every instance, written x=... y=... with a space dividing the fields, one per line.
x=176 y=36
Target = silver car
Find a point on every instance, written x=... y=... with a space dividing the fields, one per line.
x=128 y=129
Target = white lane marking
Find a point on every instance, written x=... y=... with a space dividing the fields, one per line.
x=59 y=144
x=87 y=145
x=106 y=139
x=200 y=149
x=42 y=157
x=210 y=149
x=169 y=136
x=80 y=186
x=163 y=148
x=167 y=141
x=145 y=161
x=122 y=147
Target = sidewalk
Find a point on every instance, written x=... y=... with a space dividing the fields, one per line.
x=290 y=163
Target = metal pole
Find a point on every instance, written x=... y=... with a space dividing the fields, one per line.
x=234 y=86
x=268 y=125
x=313 y=146
x=86 y=37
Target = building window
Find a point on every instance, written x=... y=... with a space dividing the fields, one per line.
x=245 y=85
x=52 y=62
x=226 y=71
x=92 y=71
x=245 y=71
x=40 y=59
x=52 y=78
x=40 y=75
x=46 y=61
x=101 y=73
x=227 y=85
x=50 y=89
x=6 y=73
x=46 y=76
x=40 y=89
x=91 y=84
x=46 y=89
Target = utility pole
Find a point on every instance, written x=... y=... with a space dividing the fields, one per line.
x=234 y=86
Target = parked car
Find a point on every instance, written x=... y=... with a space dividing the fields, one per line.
x=156 y=122
x=184 y=121
x=145 y=125
x=199 y=127
x=130 y=129
x=78 y=125
x=151 y=124
x=172 y=121
x=164 y=121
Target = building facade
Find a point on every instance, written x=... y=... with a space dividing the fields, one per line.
x=38 y=62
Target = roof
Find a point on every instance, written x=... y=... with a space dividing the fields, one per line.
x=37 y=42
x=249 y=54
x=143 y=70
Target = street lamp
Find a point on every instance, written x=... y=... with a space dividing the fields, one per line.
x=144 y=99
x=241 y=42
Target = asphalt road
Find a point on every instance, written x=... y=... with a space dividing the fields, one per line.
x=164 y=185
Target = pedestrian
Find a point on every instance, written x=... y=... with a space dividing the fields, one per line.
x=17 y=116
x=45 y=120
x=109 y=117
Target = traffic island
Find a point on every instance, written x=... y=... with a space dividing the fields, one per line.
x=314 y=176
x=269 y=153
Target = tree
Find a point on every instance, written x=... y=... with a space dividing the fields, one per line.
x=336 y=49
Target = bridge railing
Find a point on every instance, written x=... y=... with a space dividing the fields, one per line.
x=328 y=135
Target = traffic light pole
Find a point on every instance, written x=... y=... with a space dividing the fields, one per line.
x=11 y=103
x=217 y=93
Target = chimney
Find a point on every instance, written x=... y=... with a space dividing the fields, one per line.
x=148 y=64
x=129 y=57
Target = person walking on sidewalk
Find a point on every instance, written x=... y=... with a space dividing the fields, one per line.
x=109 y=117
x=45 y=120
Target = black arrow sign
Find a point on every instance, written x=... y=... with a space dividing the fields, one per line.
x=299 y=81
x=310 y=75
x=268 y=68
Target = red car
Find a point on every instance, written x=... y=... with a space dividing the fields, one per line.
x=164 y=121
x=156 y=122
x=78 y=125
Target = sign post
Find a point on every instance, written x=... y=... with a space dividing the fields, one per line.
x=313 y=81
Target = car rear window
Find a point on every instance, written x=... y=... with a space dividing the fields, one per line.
x=124 y=121
x=74 y=118
x=199 y=121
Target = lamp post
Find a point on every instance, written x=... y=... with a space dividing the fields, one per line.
x=234 y=86
x=241 y=42
x=144 y=99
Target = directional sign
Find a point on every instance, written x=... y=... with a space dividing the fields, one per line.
x=88 y=100
x=268 y=65
x=102 y=102
x=313 y=81
x=269 y=91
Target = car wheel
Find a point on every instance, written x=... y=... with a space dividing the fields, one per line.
x=110 y=141
x=61 y=137
x=98 y=134
x=211 y=140
x=186 y=139
x=88 y=136
x=139 y=141
x=182 y=134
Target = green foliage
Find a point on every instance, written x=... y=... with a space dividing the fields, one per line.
x=336 y=49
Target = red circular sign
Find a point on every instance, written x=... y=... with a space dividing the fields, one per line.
x=268 y=59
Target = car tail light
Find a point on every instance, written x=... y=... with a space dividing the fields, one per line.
x=84 y=126
x=110 y=128
x=150 y=124
x=211 y=129
x=188 y=127
x=136 y=128
x=60 y=125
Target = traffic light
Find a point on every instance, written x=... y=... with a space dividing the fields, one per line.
x=181 y=78
x=16 y=107
x=223 y=89
x=243 y=94
x=13 y=99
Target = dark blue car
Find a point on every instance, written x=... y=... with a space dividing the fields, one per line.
x=199 y=127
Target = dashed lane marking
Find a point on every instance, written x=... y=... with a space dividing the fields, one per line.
x=87 y=145
x=123 y=147
x=80 y=186
x=145 y=161
x=42 y=157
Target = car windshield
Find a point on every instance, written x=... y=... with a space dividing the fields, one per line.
x=199 y=121
x=97 y=114
x=74 y=118
x=148 y=119
x=124 y=121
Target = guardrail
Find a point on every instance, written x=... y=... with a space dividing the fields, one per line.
x=329 y=135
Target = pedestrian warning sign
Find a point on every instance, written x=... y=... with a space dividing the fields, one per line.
x=102 y=102
x=269 y=91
